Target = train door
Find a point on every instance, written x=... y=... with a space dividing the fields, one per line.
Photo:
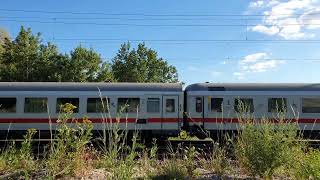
x=170 y=112
x=153 y=111
x=198 y=116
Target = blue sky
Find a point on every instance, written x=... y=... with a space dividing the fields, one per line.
x=288 y=28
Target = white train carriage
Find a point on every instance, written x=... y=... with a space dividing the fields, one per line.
x=216 y=106
x=153 y=107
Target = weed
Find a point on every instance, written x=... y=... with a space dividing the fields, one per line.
x=263 y=147
x=217 y=161
x=13 y=159
x=68 y=153
x=173 y=169
x=306 y=165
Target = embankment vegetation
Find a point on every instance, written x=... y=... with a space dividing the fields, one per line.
x=262 y=149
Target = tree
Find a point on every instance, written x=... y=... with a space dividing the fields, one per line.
x=141 y=65
x=84 y=64
x=4 y=36
x=19 y=55
x=105 y=73
x=26 y=58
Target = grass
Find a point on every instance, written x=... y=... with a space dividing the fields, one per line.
x=261 y=149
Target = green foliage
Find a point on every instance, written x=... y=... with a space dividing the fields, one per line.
x=4 y=36
x=217 y=161
x=67 y=154
x=305 y=165
x=141 y=65
x=13 y=159
x=190 y=159
x=263 y=147
x=173 y=169
x=26 y=58
x=118 y=156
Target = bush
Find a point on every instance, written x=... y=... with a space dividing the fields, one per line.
x=68 y=154
x=307 y=165
x=13 y=159
x=173 y=169
x=217 y=161
x=263 y=147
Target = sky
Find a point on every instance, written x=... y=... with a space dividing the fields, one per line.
x=207 y=40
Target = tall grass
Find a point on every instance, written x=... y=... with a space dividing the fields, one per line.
x=14 y=159
x=263 y=147
x=67 y=153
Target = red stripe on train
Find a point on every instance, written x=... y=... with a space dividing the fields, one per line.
x=93 y=120
x=236 y=120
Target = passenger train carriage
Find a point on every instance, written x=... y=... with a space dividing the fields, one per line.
x=215 y=106
x=151 y=107
x=159 y=109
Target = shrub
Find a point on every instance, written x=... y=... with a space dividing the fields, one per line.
x=217 y=161
x=13 y=159
x=68 y=153
x=307 y=165
x=263 y=147
x=173 y=169
x=190 y=159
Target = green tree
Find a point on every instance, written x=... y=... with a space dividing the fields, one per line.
x=84 y=64
x=19 y=55
x=4 y=35
x=26 y=58
x=105 y=73
x=141 y=65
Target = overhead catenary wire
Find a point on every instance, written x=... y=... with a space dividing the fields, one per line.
x=143 y=18
x=156 y=25
x=191 y=40
x=148 y=14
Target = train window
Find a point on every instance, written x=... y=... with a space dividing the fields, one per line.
x=153 y=105
x=198 y=104
x=216 y=104
x=36 y=105
x=242 y=105
x=128 y=105
x=170 y=105
x=63 y=101
x=311 y=105
x=8 y=105
x=277 y=104
x=98 y=105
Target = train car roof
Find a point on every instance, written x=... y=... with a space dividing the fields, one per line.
x=73 y=86
x=253 y=87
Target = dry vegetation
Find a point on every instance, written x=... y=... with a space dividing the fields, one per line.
x=261 y=150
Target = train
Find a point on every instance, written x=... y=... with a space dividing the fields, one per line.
x=157 y=109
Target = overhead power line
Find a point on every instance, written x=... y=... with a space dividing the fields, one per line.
x=146 y=14
x=189 y=40
x=236 y=59
x=142 y=18
x=157 y=25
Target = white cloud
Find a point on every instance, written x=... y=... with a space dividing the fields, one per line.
x=261 y=3
x=256 y=4
x=290 y=19
x=253 y=57
x=266 y=30
x=256 y=63
x=239 y=75
x=263 y=66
